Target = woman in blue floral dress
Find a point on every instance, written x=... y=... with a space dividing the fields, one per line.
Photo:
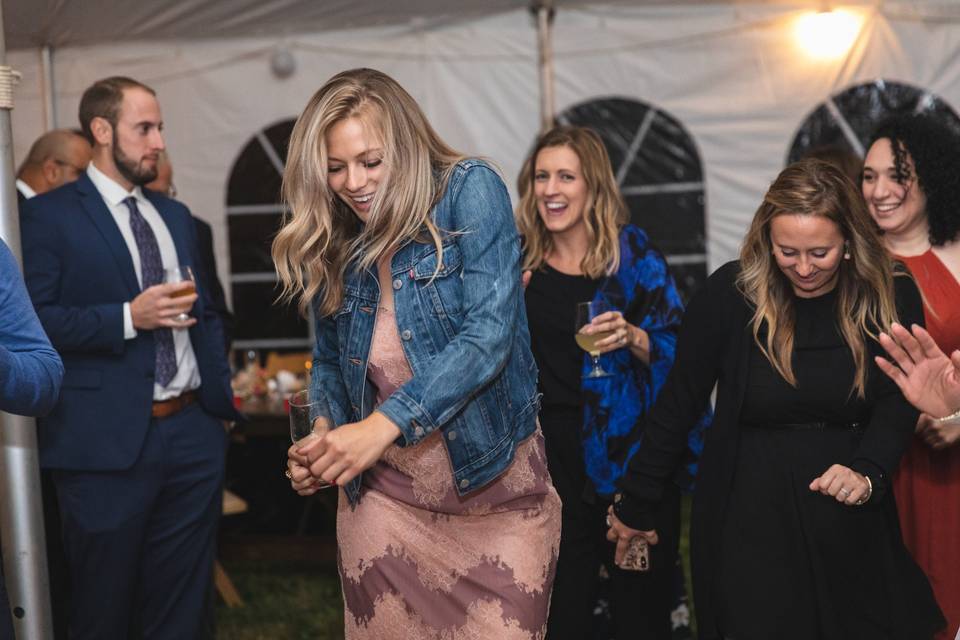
x=579 y=247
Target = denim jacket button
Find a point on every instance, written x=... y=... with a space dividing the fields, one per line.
x=397 y=283
x=464 y=483
x=418 y=431
x=407 y=334
x=452 y=436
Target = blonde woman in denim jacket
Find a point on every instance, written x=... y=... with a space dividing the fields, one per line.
x=448 y=524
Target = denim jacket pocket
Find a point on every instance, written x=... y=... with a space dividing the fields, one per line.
x=442 y=288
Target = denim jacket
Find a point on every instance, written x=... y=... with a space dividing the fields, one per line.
x=463 y=330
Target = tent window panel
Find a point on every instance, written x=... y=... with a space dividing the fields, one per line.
x=658 y=167
x=665 y=158
x=279 y=137
x=618 y=121
x=260 y=318
x=250 y=236
x=847 y=119
x=257 y=172
x=674 y=222
x=253 y=179
x=819 y=130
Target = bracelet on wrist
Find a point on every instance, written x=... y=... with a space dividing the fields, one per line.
x=950 y=419
x=869 y=494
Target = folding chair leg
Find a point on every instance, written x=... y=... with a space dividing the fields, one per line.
x=225 y=586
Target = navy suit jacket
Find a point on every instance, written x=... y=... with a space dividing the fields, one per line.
x=79 y=272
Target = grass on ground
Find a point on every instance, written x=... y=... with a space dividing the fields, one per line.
x=291 y=590
x=282 y=601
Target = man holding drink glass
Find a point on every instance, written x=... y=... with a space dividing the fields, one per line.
x=135 y=441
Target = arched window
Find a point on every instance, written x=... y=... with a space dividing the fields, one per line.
x=660 y=175
x=254 y=214
x=847 y=119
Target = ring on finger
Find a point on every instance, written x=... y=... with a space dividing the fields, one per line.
x=288 y=474
x=844 y=492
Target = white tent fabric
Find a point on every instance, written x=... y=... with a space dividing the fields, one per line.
x=730 y=73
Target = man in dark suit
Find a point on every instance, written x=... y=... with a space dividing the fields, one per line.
x=56 y=158
x=135 y=442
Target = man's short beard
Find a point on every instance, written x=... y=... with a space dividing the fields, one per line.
x=130 y=169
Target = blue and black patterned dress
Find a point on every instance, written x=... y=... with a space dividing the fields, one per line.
x=592 y=427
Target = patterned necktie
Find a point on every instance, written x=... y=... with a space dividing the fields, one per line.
x=151 y=271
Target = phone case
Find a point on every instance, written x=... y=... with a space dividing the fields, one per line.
x=637 y=557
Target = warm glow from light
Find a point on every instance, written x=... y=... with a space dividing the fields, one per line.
x=828 y=34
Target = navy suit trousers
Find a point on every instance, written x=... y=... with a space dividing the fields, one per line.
x=141 y=542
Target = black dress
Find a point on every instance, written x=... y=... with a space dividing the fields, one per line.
x=771 y=558
x=640 y=602
x=793 y=562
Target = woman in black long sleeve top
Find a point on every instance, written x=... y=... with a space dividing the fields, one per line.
x=794 y=533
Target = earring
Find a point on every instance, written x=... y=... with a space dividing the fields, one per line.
x=846 y=251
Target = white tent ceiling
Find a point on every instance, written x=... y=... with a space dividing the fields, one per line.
x=58 y=23
x=730 y=72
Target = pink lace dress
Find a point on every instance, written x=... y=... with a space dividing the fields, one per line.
x=419 y=562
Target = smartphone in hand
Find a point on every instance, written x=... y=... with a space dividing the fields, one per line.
x=637 y=557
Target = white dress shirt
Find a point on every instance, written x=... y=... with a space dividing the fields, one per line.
x=188 y=373
x=25 y=189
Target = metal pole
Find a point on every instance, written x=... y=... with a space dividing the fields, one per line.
x=21 y=519
x=46 y=88
x=544 y=12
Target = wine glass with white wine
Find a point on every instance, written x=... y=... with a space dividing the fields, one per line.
x=586 y=312
x=183 y=273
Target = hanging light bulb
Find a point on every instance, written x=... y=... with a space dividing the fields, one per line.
x=828 y=34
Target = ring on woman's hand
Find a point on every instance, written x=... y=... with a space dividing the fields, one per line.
x=859 y=502
x=845 y=492
x=609 y=524
x=288 y=474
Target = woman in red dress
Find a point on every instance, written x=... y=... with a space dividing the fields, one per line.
x=911 y=182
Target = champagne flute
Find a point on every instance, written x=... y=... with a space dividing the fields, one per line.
x=183 y=273
x=586 y=312
x=310 y=419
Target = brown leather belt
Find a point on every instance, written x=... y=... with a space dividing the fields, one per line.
x=166 y=408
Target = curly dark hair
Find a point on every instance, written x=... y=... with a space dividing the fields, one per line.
x=935 y=151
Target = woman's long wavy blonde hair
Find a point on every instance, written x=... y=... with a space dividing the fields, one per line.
x=865 y=292
x=321 y=236
x=604 y=214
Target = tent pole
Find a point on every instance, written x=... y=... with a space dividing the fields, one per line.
x=46 y=87
x=21 y=520
x=544 y=11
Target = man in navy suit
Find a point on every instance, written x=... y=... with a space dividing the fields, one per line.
x=135 y=441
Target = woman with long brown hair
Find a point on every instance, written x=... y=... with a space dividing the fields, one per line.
x=448 y=525
x=579 y=248
x=794 y=531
